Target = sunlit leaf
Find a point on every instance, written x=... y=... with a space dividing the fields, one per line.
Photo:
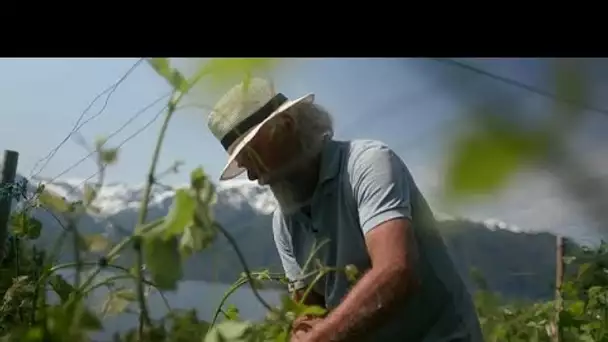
x=96 y=243
x=180 y=215
x=53 y=202
x=34 y=334
x=25 y=226
x=196 y=238
x=484 y=160
x=232 y=70
x=163 y=261
x=312 y=310
x=228 y=331
x=117 y=302
x=61 y=287
x=100 y=141
x=351 y=272
x=232 y=313
x=198 y=178
x=109 y=156
x=162 y=66
x=90 y=193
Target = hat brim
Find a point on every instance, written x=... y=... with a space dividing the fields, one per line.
x=232 y=169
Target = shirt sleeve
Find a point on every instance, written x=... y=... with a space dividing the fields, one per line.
x=282 y=240
x=381 y=186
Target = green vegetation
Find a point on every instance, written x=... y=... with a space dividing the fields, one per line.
x=161 y=246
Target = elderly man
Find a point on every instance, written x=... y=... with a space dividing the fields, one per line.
x=360 y=197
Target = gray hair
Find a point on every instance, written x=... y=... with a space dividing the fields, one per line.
x=313 y=125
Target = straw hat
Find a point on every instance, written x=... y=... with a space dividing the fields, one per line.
x=241 y=112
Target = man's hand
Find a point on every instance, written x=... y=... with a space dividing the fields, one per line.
x=302 y=327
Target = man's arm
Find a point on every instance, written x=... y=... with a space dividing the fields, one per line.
x=380 y=183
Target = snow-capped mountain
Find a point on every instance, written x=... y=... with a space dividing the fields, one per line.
x=245 y=208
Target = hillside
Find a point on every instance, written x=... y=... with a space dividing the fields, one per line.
x=513 y=263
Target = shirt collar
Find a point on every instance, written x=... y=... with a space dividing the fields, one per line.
x=330 y=161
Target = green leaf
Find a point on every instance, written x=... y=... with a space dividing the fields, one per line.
x=312 y=310
x=25 y=226
x=96 y=243
x=232 y=313
x=351 y=272
x=61 y=287
x=180 y=215
x=34 y=334
x=484 y=160
x=117 y=302
x=232 y=70
x=196 y=238
x=163 y=68
x=163 y=261
x=233 y=331
x=99 y=142
x=109 y=156
x=53 y=202
x=90 y=193
x=198 y=178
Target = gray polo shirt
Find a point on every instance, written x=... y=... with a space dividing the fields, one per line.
x=362 y=183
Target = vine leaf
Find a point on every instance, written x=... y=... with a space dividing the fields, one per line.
x=25 y=226
x=162 y=66
x=163 y=260
x=90 y=193
x=229 y=70
x=485 y=159
x=233 y=331
x=117 y=302
x=61 y=287
x=180 y=215
x=95 y=243
x=53 y=202
x=109 y=156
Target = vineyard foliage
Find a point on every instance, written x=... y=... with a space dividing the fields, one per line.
x=581 y=312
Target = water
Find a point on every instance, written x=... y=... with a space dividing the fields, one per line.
x=200 y=295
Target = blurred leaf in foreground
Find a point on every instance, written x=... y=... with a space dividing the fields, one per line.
x=222 y=71
x=117 y=302
x=53 y=202
x=483 y=160
x=228 y=331
x=162 y=66
x=96 y=243
x=25 y=226
x=163 y=261
x=180 y=215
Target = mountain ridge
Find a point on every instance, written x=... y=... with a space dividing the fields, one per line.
x=244 y=208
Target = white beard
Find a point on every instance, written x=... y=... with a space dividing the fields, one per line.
x=293 y=185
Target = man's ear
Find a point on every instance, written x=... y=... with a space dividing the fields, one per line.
x=284 y=125
x=288 y=124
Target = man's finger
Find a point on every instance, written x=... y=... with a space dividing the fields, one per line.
x=305 y=322
x=297 y=335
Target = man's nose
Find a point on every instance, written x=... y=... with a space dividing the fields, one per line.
x=252 y=175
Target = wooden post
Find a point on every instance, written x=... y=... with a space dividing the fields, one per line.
x=9 y=171
x=559 y=280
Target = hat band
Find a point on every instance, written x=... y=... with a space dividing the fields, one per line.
x=254 y=119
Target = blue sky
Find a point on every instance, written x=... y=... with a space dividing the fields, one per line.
x=410 y=104
x=385 y=99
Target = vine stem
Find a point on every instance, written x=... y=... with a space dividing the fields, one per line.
x=239 y=254
x=144 y=317
x=227 y=294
